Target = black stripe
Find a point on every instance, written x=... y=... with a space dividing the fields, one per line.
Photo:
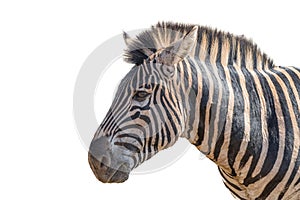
x=255 y=144
x=297 y=182
x=186 y=75
x=118 y=114
x=156 y=141
x=192 y=97
x=289 y=143
x=254 y=57
x=131 y=135
x=234 y=51
x=173 y=102
x=203 y=103
x=263 y=60
x=145 y=118
x=238 y=121
x=151 y=133
x=199 y=41
x=243 y=53
x=128 y=146
x=227 y=181
x=223 y=107
x=219 y=144
x=104 y=124
x=231 y=184
x=132 y=117
x=231 y=53
x=213 y=107
x=155 y=130
x=295 y=79
x=170 y=115
x=116 y=118
x=209 y=43
x=219 y=54
x=149 y=144
x=169 y=110
x=291 y=94
x=109 y=124
x=155 y=96
x=292 y=176
x=159 y=112
x=134 y=126
x=273 y=135
x=162 y=137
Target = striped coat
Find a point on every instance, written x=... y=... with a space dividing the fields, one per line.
x=221 y=93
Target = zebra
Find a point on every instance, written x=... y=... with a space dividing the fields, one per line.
x=217 y=90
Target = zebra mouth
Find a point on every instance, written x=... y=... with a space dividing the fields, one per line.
x=108 y=174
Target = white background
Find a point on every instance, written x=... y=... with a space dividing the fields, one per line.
x=42 y=47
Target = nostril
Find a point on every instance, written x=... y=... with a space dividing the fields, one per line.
x=104 y=162
x=100 y=163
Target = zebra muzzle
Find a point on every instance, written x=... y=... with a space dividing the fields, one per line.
x=106 y=167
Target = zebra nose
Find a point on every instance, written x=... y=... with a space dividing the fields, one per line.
x=99 y=157
x=106 y=167
x=100 y=150
x=99 y=167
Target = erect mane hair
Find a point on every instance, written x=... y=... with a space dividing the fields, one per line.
x=164 y=34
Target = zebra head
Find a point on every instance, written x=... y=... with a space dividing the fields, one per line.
x=146 y=115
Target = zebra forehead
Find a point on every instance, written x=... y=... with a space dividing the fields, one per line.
x=164 y=34
x=130 y=80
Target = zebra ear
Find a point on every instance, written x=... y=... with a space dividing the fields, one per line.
x=180 y=49
x=133 y=46
x=127 y=38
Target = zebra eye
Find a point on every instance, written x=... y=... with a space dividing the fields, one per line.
x=140 y=96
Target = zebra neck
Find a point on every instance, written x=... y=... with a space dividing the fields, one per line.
x=204 y=95
x=210 y=94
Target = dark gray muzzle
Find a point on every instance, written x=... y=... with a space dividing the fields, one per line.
x=107 y=167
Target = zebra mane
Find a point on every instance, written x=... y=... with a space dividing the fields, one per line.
x=237 y=48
